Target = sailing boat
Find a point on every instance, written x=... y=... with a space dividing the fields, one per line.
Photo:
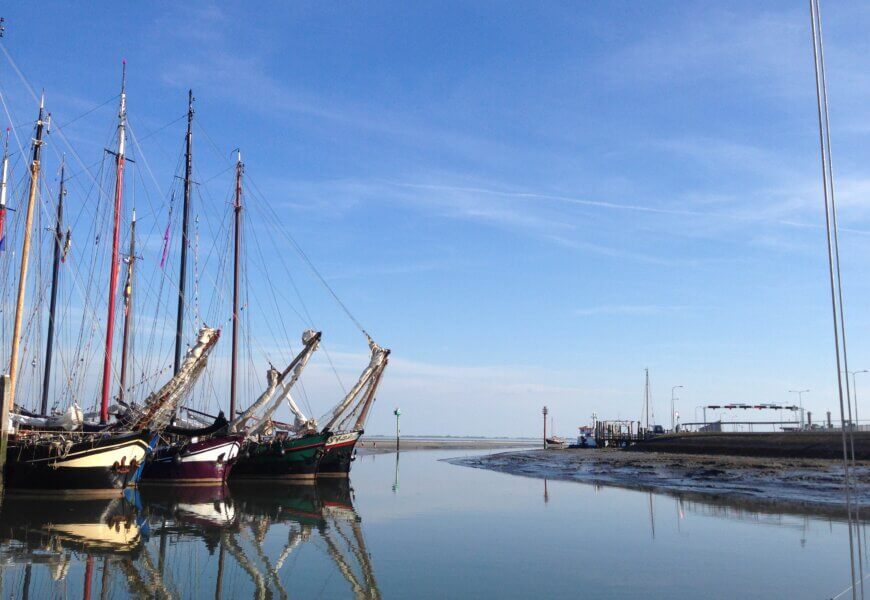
x=205 y=455
x=58 y=459
x=269 y=454
x=339 y=450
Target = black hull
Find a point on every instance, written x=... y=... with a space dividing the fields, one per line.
x=107 y=462
x=336 y=461
x=291 y=459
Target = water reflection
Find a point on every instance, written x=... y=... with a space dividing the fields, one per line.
x=147 y=541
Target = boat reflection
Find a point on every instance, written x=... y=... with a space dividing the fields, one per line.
x=247 y=538
x=39 y=524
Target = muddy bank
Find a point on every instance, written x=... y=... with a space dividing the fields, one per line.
x=386 y=445
x=825 y=444
x=794 y=485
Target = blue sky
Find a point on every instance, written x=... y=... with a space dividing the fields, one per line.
x=529 y=204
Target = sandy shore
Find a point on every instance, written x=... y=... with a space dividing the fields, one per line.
x=385 y=445
x=802 y=485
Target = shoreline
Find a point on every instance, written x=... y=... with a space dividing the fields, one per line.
x=804 y=486
x=378 y=445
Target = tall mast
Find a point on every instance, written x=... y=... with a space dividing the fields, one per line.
x=128 y=308
x=25 y=251
x=3 y=192
x=182 y=274
x=52 y=310
x=237 y=209
x=116 y=235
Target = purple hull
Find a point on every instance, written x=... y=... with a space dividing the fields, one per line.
x=202 y=462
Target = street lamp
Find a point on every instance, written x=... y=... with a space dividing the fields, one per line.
x=855 y=391
x=672 y=405
x=800 y=394
x=545 y=412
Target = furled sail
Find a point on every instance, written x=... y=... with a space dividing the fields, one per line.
x=70 y=420
x=361 y=410
x=378 y=357
x=161 y=405
x=253 y=421
x=272 y=377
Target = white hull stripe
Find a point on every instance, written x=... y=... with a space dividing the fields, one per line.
x=343 y=438
x=107 y=457
x=95 y=451
x=230 y=450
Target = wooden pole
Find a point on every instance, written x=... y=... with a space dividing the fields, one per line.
x=89 y=573
x=25 y=257
x=128 y=308
x=116 y=236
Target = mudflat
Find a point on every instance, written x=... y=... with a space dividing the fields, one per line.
x=814 y=485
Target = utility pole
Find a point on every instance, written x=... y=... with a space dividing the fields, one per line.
x=855 y=393
x=646 y=398
x=673 y=424
x=545 y=412
x=800 y=394
x=398 y=413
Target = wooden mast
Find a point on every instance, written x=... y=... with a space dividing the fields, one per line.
x=128 y=308
x=182 y=274
x=116 y=234
x=25 y=253
x=237 y=209
x=52 y=310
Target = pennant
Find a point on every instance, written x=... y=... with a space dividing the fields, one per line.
x=2 y=229
x=165 y=246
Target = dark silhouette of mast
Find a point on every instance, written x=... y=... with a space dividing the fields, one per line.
x=128 y=308
x=237 y=210
x=52 y=309
x=116 y=237
x=182 y=274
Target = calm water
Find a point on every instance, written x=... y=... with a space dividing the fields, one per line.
x=428 y=529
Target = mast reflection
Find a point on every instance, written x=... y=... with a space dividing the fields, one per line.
x=145 y=543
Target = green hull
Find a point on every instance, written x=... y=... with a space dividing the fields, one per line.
x=293 y=459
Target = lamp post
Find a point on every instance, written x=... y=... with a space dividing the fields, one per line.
x=398 y=413
x=800 y=394
x=545 y=411
x=673 y=425
x=855 y=391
